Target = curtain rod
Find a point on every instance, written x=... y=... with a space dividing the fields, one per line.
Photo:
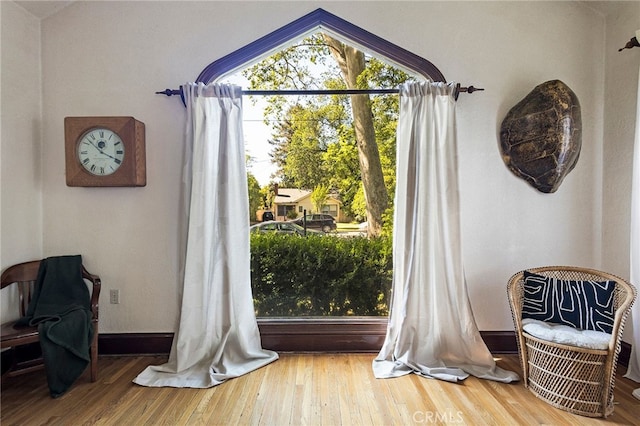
x=459 y=89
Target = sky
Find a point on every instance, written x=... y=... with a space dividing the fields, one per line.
x=256 y=133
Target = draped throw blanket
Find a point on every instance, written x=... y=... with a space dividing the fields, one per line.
x=431 y=330
x=633 y=372
x=217 y=338
x=61 y=309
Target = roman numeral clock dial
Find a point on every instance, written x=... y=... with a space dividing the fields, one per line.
x=105 y=151
x=101 y=151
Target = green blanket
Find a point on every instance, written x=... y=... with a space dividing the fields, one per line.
x=61 y=309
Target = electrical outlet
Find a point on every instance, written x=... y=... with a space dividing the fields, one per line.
x=114 y=296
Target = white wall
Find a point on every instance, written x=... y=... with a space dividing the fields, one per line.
x=20 y=142
x=103 y=58
x=621 y=91
x=621 y=88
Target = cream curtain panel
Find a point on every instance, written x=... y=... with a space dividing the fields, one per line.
x=431 y=330
x=633 y=372
x=217 y=338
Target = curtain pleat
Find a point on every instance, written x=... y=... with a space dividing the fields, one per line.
x=217 y=337
x=431 y=330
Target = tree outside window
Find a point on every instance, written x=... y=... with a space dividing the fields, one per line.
x=338 y=145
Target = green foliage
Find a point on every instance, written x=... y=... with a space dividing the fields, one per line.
x=255 y=196
x=320 y=275
x=387 y=227
x=267 y=193
x=291 y=67
x=343 y=170
x=359 y=205
x=299 y=143
x=313 y=136
x=319 y=196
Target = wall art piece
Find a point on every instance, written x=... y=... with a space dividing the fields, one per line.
x=541 y=136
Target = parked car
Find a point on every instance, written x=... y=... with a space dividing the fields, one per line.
x=281 y=228
x=324 y=222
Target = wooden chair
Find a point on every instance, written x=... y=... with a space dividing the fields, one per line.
x=572 y=378
x=23 y=276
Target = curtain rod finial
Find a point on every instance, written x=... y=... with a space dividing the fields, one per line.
x=472 y=89
x=169 y=92
x=630 y=44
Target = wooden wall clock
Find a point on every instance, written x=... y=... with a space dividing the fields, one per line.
x=105 y=151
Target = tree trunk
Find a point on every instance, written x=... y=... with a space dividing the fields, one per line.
x=352 y=64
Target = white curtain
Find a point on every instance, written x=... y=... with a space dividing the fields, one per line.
x=431 y=331
x=633 y=372
x=217 y=338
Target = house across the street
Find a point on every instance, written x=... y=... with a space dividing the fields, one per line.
x=299 y=200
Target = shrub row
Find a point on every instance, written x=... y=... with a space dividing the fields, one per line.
x=320 y=275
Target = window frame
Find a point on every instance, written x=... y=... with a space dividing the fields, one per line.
x=319 y=20
x=345 y=334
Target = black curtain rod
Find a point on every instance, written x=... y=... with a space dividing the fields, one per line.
x=459 y=89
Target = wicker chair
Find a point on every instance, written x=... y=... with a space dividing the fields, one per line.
x=574 y=379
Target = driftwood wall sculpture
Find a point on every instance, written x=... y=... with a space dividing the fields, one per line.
x=541 y=136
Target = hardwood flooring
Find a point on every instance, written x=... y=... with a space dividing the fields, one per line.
x=298 y=389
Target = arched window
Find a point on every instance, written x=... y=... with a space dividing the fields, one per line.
x=319 y=20
x=330 y=333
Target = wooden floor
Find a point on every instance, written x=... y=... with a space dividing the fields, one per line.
x=298 y=389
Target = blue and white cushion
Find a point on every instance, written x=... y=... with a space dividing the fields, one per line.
x=587 y=305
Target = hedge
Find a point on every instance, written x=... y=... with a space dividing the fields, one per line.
x=320 y=275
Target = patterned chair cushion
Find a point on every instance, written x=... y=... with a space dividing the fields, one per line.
x=587 y=305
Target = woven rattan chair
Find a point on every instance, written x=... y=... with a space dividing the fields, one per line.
x=574 y=379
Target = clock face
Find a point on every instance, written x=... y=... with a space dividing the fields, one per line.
x=100 y=151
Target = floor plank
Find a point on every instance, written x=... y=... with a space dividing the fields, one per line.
x=298 y=389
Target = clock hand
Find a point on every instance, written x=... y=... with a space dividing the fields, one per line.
x=108 y=155
x=93 y=145
x=101 y=151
